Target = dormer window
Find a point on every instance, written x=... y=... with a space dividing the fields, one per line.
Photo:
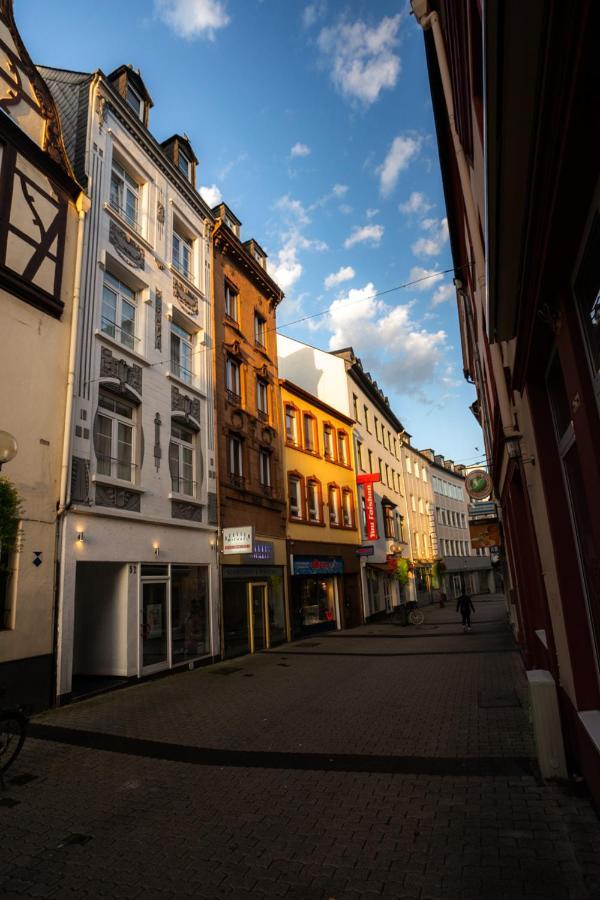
x=134 y=101
x=184 y=164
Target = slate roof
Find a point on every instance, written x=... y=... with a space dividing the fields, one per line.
x=70 y=91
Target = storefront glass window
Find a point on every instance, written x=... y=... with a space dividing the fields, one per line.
x=318 y=600
x=189 y=613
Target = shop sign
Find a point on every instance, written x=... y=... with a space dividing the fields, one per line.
x=367 y=550
x=262 y=553
x=238 y=540
x=478 y=484
x=318 y=565
x=484 y=534
x=367 y=482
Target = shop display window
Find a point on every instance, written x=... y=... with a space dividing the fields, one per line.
x=317 y=598
x=189 y=613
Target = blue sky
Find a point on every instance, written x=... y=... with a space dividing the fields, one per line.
x=312 y=119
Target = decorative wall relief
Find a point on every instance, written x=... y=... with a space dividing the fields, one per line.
x=126 y=247
x=119 y=498
x=184 y=404
x=157 y=450
x=186 y=297
x=160 y=215
x=158 y=320
x=188 y=511
x=117 y=368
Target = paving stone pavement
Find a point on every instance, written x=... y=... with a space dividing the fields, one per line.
x=379 y=762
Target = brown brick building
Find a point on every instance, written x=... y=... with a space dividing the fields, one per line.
x=251 y=487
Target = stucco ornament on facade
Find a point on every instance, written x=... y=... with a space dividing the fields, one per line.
x=126 y=247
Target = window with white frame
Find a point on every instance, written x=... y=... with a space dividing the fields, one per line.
x=313 y=500
x=388 y=521
x=343 y=448
x=125 y=195
x=262 y=398
x=328 y=442
x=359 y=455
x=291 y=425
x=348 y=508
x=355 y=406
x=114 y=437
x=134 y=101
x=182 y=254
x=236 y=462
x=118 y=311
x=260 y=330
x=408 y=465
x=264 y=467
x=295 y=496
x=181 y=459
x=309 y=427
x=334 y=505
x=232 y=379
x=181 y=353
x=231 y=302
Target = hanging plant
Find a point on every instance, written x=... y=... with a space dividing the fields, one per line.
x=401 y=573
x=10 y=513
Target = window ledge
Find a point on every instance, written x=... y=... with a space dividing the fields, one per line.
x=185 y=498
x=186 y=385
x=192 y=285
x=117 y=482
x=121 y=347
x=123 y=223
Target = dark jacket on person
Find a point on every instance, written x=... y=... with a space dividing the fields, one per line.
x=464 y=604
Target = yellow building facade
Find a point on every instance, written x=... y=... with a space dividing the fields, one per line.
x=322 y=514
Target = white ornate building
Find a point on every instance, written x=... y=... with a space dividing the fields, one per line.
x=138 y=587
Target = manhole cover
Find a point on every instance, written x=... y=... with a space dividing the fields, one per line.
x=496 y=700
x=230 y=671
x=24 y=778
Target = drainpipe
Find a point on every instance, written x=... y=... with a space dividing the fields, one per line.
x=431 y=21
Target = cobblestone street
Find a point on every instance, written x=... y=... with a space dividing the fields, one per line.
x=385 y=761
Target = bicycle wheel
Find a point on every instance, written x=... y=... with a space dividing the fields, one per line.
x=416 y=617
x=13 y=725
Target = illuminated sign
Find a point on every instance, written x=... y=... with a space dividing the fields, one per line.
x=238 y=540
x=478 y=484
x=484 y=534
x=262 y=553
x=318 y=565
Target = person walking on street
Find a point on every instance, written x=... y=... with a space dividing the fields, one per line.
x=464 y=604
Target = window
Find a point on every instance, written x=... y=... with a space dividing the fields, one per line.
x=232 y=379
x=387 y=475
x=334 y=505
x=367 y=424
x=343 y=448
x=262 y=398
x=231 y=302
x=370 y=455
x=408 y=465
x=113 y=434
x=417 y=474
x=418 y=542
x=359 y=456
x=388 y=521
x=439 y=515
x=291 y=425
x=348 y=508
x=424 y=474
x=377 y=435
x=134 y=100
x=260 y=330
x=181 y=353
x=182 y=254
x=355 y=406
x=236 y=467
x=328 y=450
x=413 y=503
x=184 y=163
x=181 y=459
x=118 y=311
x=264 y=467
x=401 y=527
x=421 y=509
x=380 y=467
x=124 y=195
x=313 y=500
x=295 y=496
x=310 y=442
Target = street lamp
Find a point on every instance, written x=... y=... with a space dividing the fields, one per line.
x=8 y=447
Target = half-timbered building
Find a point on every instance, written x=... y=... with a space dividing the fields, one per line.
x=39 y=203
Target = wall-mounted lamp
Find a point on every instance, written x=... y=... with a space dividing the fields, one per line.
x=156 y=548
x=514 y=449
x=8 y=447
x=81 y=537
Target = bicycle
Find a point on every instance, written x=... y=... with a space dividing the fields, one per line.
x=415 y=616
x=13 y=728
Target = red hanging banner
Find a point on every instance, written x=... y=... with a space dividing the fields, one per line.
x=367 y=482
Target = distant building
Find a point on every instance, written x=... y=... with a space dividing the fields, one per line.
x=40 y=242
x=422 y=536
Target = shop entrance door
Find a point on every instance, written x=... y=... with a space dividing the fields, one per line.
x=154 y=627
x=258 y=616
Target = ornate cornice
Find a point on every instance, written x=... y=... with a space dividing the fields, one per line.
x=227 y=242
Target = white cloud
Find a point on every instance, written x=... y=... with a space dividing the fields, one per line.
x=362 y=59
x=371 y=213
x=226 y=169
x=395 y=348
x=192 y=18
x=345 y=209
x=417 y=203
x=293 y=210
x=339 y=190
x=426 y=278
x=372 y=233
x=211 y=194
x=438 y=236
x=442 y=293
x=300 y=150
x=286 y=270
x=313 y=12
x=403 y=150
x=345 y=273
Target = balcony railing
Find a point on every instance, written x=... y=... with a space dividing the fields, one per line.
x=267 y=490
x=116 y=468
x=125 y=337
x=184 y=270
x=131 y=220
x=181 y=372
x=237 y=480
x=263 y=416
x=183 y=485
x=233 y=397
